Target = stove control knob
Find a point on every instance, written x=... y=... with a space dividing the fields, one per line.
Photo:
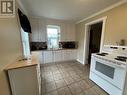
x=121 y=65
x=118 y=63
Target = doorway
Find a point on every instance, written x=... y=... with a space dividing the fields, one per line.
x=94 y=38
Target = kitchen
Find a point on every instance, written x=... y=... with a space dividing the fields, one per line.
x=55 y=63
x=65 y=44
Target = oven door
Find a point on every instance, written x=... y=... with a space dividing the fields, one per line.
x=108 y=71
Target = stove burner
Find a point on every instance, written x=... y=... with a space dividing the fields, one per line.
x=102 y=54
x=121 y=59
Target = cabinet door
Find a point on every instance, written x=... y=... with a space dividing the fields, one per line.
x=38 y=30
x=48 y=56
x=66 y=55
x=73 y=54
x=34 y=28
x=42 y=31
x=70 y=32
x=69 y=55
x=63 y=32
x=57 y=56
x=41 y=57
x=24 y=81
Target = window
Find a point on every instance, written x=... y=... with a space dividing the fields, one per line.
x=53 y=34
x=25 y=43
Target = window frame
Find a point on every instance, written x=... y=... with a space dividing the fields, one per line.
x=59 y=32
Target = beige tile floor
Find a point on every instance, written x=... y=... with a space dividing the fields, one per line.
x=68 y=78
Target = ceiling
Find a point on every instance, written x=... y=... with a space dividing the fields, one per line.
x=74 y=10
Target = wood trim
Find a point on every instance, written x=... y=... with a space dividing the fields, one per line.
x=86 y=36
x=79 y=61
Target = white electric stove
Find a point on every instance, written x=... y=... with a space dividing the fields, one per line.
x=108 y=69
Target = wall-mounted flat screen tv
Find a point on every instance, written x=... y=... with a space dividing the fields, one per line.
x=24 y=22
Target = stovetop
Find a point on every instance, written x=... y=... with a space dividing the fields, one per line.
x=112 y=56
x=121 y=58
x=102 y=54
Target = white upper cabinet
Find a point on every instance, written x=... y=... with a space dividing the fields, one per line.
x=67 y=32
x=34 y=28
x=39 y=30
x=42 y=31
x=70 y=32
x=63 y=32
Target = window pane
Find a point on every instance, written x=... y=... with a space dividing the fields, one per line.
x=25 y=42
x=53 y=36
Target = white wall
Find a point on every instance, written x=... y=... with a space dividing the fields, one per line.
x=10 y=49
x=115 y=29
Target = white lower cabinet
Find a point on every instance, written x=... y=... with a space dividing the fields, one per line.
x=68 y=55
x=47 y=56
x=25 y=80
x=58 y=55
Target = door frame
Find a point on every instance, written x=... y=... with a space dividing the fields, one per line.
x=86 y=39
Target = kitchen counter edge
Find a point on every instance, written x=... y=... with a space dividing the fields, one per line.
x=34 y=61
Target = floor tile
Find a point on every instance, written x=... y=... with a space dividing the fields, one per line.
x=52 y=93
x=64 y=91
x=56 y=72
x=90 y=92
x=60 y=83
x=75 y=88
x=99 y=90
x=76 y=77
x=83 y=75
x=83 y=85
x=90 y=83
x=48 y=78
x=57 y=76
x=50 y=86
x=82 y=93
x=43 y=89
x=68 y=78
x=65 y=74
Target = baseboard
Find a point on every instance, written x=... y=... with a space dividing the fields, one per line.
x=80 y=61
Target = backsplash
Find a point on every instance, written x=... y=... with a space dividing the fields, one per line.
x=68 y=44
x=38 y=46
x=43 y=45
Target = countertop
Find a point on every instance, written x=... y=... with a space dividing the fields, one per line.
x=32 y=61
